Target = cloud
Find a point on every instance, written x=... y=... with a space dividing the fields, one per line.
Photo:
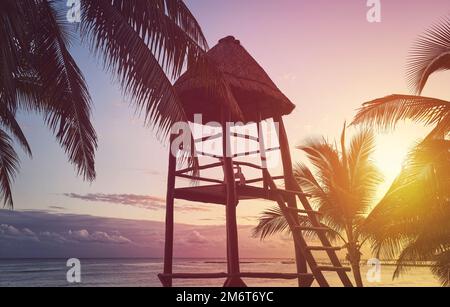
x=139 y=201
x=97 y=236
x=12 y=233
x=47 y=236
x=27 y=234
x=251 y=218
x=145 y=171
x=9 y=230
x=196 y=238
x=57 y=208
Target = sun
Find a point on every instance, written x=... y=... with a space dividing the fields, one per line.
x=390 y=155
x=392 y=150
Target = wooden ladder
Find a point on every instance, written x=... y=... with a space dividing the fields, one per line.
x=292 y=218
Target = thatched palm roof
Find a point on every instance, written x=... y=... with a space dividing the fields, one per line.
x=251 y=87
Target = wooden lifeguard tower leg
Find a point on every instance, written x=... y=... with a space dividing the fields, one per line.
x=290 y=184
x=231 y=224
x=168 y=250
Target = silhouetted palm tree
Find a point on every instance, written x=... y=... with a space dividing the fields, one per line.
x=412 y=219
x=342 y=183
x=144 y=44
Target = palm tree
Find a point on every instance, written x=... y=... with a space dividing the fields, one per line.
x=412 y=220
x=342 y=184
x=144 y=44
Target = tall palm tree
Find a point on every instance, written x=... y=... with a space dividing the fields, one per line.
x=144 y=44
x=412 y=220
x=342 y=184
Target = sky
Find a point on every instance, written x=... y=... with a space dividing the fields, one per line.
x=38 y=234
x=323 y=54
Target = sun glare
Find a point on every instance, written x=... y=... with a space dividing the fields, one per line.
x=392 y=150
x=390 y=155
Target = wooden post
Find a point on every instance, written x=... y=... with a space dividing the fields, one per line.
x=262 y=151
x=168 y=250
x=232 y=201
x=290 y=184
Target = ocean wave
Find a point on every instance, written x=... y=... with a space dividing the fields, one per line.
x=31 y=271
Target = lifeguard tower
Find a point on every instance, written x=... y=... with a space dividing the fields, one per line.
x=255 y=98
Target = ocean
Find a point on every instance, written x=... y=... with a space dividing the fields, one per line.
x=143 y=273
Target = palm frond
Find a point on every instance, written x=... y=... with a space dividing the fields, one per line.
x=430 y=54
x=362 y=147
x=429 y=162
x=12 y=36
x=428 y=246
x=325 y=159
x=321 y=198
x=36 y=38
x=332 y=177
x=139 y=43
x=412 y=219
x=344 y=153
x=365 y=177
x=65 y=101
x=9 y=165
x=8 y=120
x=271 y=221
x=180 y=13
x=388 y=111
x=442 y=129
x=308 y=182
x=441 y=267
x=167 y=27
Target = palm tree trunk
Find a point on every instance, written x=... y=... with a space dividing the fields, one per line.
x=354 y=257
x=357 y=273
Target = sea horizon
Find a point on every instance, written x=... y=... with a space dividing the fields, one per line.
x=220 y=260
x=142 y=272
